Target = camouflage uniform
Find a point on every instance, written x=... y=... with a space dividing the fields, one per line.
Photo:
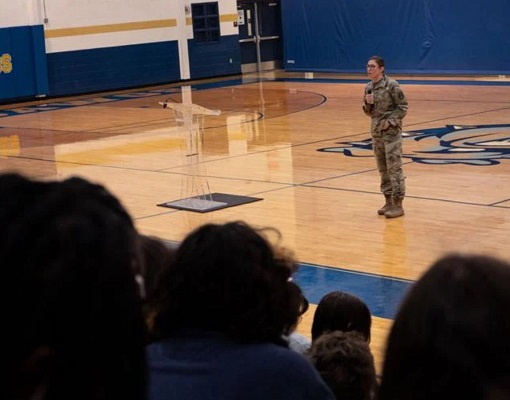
x=390 y=105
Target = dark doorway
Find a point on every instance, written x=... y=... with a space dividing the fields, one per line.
x=260 y=35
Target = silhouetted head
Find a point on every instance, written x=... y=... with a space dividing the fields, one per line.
x=299 y=305
x=75 y=328
x=227 y=278
x=340 y=311
x=450 y=336
x=345 y=363
x=157 y=255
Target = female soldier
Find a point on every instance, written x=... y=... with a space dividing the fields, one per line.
x=386 y=104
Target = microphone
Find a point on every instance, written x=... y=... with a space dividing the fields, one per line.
x=369 y=105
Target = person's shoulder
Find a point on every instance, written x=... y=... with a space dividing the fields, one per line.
x=289 y=362
x=272 y=350
x=274 y=357
x=392 y=83
x=290 y=366
x=299 y=343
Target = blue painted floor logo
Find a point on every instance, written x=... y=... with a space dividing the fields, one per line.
x=451 y=144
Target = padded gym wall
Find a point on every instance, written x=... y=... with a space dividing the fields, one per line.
x=85 y=46
x=214 y=46
x=22 y=62
x=97 y=45
x=418 y=36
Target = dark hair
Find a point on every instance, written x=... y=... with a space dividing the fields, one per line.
x=227 y=278
x=340 y=311
x=68 y=252
x=346 y=364
x=157 y=255
x=378 y=60
x=299 y=305
x=450 y=336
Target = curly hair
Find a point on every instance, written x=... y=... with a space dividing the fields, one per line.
x=228 y=278
x=345 y=363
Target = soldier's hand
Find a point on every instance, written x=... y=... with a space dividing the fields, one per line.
x=386 y=125
x=369 y=98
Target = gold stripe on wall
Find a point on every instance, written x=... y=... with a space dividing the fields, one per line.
x=127 y=26
x=189 y=21
x=229 y=18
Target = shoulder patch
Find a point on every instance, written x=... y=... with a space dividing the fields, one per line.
x=397 y=92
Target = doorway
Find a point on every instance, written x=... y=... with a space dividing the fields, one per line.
x=260 y=35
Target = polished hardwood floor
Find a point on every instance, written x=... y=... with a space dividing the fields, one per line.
x=302 y=145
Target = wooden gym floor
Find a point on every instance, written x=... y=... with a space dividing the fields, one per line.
x=302 y=145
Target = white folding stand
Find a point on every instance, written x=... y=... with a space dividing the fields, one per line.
x=195 y=192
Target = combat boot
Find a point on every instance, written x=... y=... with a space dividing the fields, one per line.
x=387 y=206
x=397 y=210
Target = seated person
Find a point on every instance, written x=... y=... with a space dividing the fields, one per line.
x=223 y=307
x=450 y=336
x=340 y=311
x=298 y=342
x=157 y=255
x=345 y=362
x=73 y=326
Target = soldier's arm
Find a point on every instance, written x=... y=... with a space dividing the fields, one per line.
x=367 y=108
x=401 y=106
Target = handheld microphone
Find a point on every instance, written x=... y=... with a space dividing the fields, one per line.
x=369 y=105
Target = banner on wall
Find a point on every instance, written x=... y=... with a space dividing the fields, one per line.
x=23 y=71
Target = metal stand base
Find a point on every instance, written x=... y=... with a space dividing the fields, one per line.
x=193 y=203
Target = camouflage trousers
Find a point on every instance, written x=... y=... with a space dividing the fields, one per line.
x=387 y=147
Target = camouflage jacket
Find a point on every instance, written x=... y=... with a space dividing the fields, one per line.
x=390 y=103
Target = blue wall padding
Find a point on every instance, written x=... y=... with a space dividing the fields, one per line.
x=213 y=58
x=24 y=45
x=113 y=68
x=418 y=36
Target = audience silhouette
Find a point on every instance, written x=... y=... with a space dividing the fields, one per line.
x=224 y=306
x=450 y=336
x=75 y=329
x=345 y=362
x=340 y=311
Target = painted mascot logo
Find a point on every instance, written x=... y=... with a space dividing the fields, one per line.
x=452 y=144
